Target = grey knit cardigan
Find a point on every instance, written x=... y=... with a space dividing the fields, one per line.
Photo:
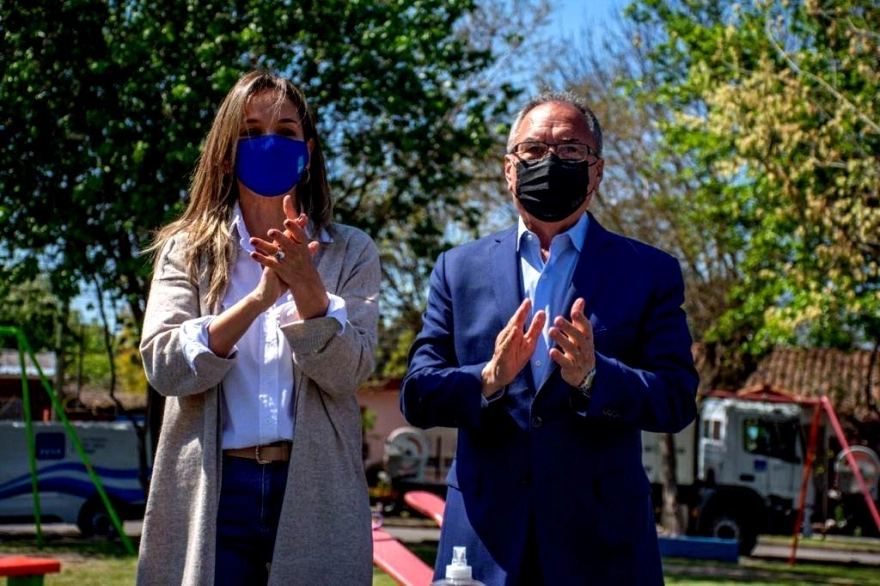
x=324 y=534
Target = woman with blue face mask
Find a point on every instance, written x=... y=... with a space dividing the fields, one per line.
x=260 y=326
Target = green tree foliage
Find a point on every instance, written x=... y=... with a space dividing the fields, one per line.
x=106 y=361
x=32 y=308
x=90 y=367
x=103 y=106
x=648 y=186
x=80 y=348
x=774 y=106
x=129 y=368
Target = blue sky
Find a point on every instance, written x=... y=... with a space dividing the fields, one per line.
x=571 y=16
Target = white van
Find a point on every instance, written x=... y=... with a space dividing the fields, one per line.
x=67 y=493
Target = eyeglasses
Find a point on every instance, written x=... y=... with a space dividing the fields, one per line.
x=532 y=150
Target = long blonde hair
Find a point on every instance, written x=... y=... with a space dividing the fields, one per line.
x=213 y=191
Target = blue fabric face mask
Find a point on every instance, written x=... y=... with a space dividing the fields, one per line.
x=270 y=165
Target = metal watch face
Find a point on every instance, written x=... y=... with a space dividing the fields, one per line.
x=588 y=382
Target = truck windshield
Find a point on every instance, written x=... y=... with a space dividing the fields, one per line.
x=771 y=438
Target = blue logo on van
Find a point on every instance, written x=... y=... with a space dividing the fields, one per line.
x=50 y=445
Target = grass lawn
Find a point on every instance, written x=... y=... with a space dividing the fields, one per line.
x=96 y=561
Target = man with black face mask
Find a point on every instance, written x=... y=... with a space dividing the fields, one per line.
x=551 y=346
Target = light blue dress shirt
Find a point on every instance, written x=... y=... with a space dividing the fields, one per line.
x=547 y=283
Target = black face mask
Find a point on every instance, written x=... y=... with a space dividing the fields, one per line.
x=552 y=189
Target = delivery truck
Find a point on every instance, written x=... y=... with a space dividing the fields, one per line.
x=740 y=471
x=67 y=493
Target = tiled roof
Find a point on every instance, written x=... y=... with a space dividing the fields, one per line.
x=849 y=379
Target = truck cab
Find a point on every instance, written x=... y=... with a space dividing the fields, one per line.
x=739 y=468
x=750 y=461
x=753 y=445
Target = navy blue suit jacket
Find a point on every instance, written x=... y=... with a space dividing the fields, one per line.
x=570 y=468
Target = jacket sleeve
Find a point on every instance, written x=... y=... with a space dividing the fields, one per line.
x=339 y=363
x=437 y=390
x=655 y=389
x=173 y=300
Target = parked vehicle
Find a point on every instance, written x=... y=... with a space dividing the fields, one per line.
x=67 y=493
x=405 y=468
x=740 y=472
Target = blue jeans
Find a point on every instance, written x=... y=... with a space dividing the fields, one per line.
x=247 y=520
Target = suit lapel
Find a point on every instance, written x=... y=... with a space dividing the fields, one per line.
x=592 y=269
x=508 y=295
x=505 y=275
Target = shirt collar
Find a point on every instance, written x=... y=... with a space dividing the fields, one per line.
x=576 y=234
x=237 y=223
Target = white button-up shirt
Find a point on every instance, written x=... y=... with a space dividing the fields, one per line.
x=258 y=390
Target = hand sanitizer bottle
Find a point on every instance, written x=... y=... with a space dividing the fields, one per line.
x=458 y=573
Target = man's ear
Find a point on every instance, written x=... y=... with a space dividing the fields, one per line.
x=598 y=173
x=510 y=173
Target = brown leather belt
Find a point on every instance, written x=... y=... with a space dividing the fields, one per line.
x=274 y=452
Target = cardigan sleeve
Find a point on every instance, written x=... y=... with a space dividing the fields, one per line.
x=174 y=300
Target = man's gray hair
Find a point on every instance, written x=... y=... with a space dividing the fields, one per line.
x=569 y=98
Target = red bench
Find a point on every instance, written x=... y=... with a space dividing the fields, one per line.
x=27 y=571
x=402 y=565
x=427 y=503
x=393 y=557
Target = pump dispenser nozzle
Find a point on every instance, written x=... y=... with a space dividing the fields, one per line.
x=459 y=568
x=458 y=573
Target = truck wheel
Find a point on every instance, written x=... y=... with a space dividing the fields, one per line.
x=729 y=526
x=93 y=519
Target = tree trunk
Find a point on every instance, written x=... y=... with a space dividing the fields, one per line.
x=671 y=519
x=60 y=349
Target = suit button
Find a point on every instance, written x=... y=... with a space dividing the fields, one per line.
x=537 y=421
x=527 y=480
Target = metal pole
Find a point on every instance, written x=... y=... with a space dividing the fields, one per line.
x=29 y=431
x=851 y=460
x=808 y=467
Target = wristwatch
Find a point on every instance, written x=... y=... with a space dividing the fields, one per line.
x=587 y=384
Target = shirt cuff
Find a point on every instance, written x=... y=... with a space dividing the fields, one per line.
x=194 y=339
x=288 y=314
x=485 y=402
